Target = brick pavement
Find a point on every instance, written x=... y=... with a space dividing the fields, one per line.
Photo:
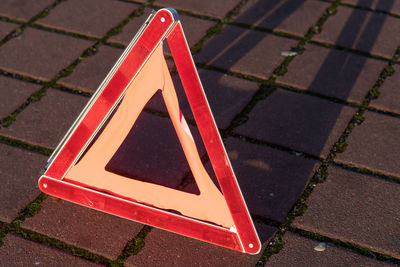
x=313 y=137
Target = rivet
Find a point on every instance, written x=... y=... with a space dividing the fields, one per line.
x=162 y=19
x=250 y=245
x=45 y=185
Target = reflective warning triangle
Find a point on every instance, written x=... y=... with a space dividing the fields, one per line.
x=76 y=170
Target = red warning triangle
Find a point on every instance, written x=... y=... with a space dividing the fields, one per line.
x=76 y=170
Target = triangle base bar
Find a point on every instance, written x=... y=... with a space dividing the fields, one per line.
x=141 y=213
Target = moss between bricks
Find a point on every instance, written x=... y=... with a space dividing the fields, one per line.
x=135 y=245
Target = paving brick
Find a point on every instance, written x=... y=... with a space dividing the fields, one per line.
x=374 y=144
x=193 y=27
x=90 y=17
x=388 y=6
x=17 y=251
x=227 y=96
x=129 y=30
x=20 y=170
x=333 y=72
x=211 y=8
x=271 y=180
x=6 y=28
x=168 y=249
x=89 y=74
x=246 y=51
x=299 y=251
x=389 y=97
x=24 y=9
x=40 y=54
x=294 y=17
x=82 y=227
x=301 y=122
x=40 y=122
x=362 y=30
x=14 y=93
x=355 y=208
x=152 y=152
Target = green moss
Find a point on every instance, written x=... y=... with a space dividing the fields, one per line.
x=31 y=210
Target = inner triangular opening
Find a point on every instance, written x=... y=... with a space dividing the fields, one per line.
x=152 y=153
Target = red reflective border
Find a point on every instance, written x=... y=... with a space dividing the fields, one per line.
x=117 y=85
x=212 y=141
x=140 y=213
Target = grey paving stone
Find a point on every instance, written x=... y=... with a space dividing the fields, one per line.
x=217 y=9
x=299 y=251
x=301 y=122
x=6 y=28
x=23 y=9
x=271 y=180
x=362 y=30
x=389 y=97
x=294 y=17
x=246 y=51
x=40 y=54
x=83 y=227
x=89 y=74
x=45 y=122
x=355 y=208
x=17 y=251
x=19 y=173
x=90 y=17
x=14 y=93
x=332 y=72
x=374 y=144
x=392 y=6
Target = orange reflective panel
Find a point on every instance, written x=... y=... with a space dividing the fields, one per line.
x=210 y=205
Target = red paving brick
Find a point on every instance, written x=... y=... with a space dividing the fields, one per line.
x=40 y=122
x=16 y=92
x=356 y=208
x=301 y=122
x=6 y=28
x=374 y=144
x=17 y=251
x=271 y=180
x=79 y=226
x=389 y=93
x=90 y=17
x=89 y=74
x=40 y=54
x=333 y=73
x=20 y=170
x=129 y=30
x=168 y=249
x=23 y=9
x=294 y=17
x=152 y=152
x=227 y=96
x=246 y=51
x=211 y=8
x=362 y=30
x=193 y=27
x=388 y=6
x=299 y=251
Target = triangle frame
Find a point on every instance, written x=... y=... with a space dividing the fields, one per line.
x=164 y=24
